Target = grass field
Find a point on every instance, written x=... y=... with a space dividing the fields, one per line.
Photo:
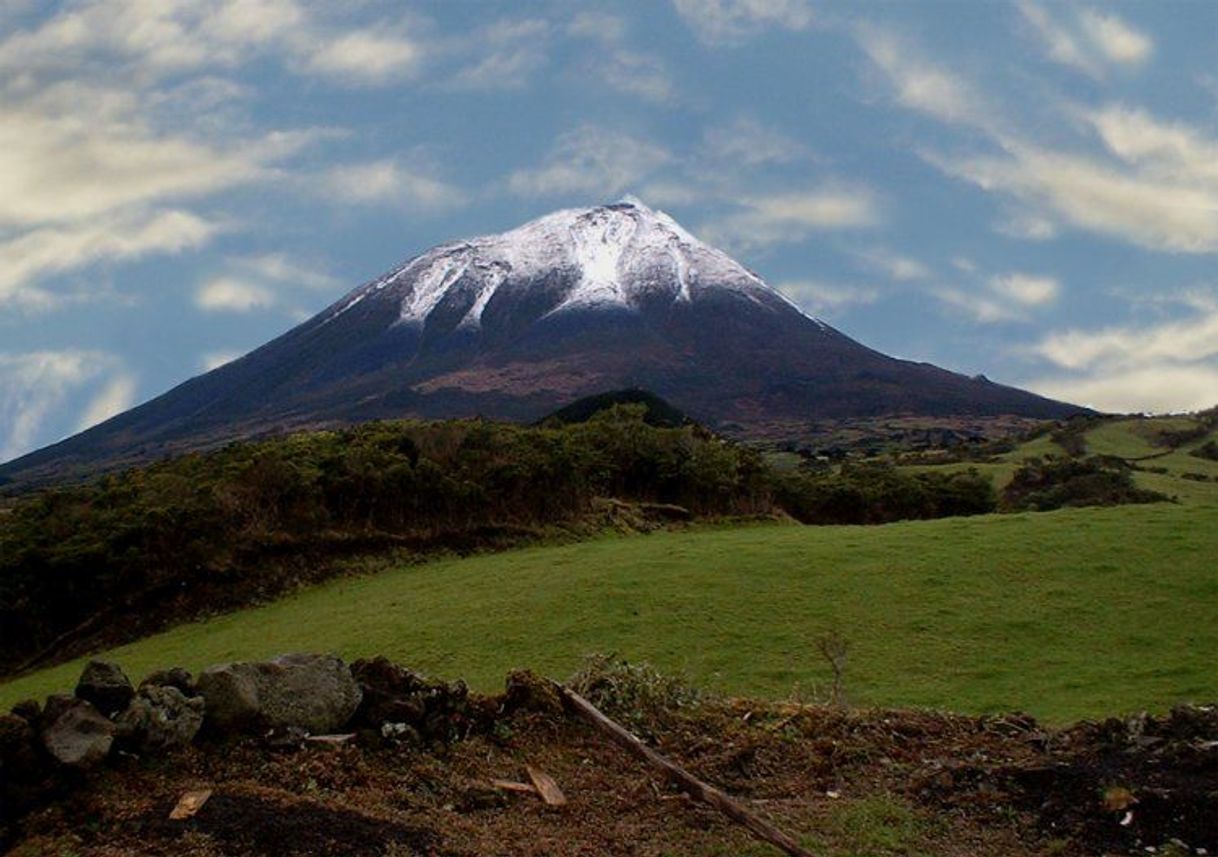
x=1064 y=614
x=1068 y=614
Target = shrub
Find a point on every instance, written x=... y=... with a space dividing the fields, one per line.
x=873 y=493
x=1207 y=450
x=636 y=695
x=1053 y=483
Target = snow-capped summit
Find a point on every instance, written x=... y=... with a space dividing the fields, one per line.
x=516 y=325
x=623 y=255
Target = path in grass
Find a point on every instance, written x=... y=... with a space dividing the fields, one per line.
x=1065 y=614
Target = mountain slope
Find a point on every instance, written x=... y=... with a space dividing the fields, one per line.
x=516 y=324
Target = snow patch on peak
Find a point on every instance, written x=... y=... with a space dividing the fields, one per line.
x=615 y=254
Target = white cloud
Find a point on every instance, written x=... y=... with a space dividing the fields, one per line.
x=750 y=143
x=388 y=182
x=216 y=359
x=633 y=73
x=1171 y=151
x=281 y=268
x=367 y=57
x=1115 y=39
x=599 y=26
x=1161 y=388
x=893 y=265
x=38 y=253
x=1160 y=214
x=922 y=85
x=820 y=298
x=1027 y=227
x=159 y=38
x=1087 y=40
x=1168 y=366
x=227 y=294
x=1160 y=193
x=1001 y=298
x=88 y=173
x=729 y=21
x=1184 y=341
x=591 y=160
x=764 y=220
x=35 y=385
x=505 y=54
x=984 y=308
x=612 y=62
x=1026 y=289
x=59 y=168
x=117 y=396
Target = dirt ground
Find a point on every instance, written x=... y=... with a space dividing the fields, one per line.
x=843 y=782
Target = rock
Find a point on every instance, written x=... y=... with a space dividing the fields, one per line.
x=312 y=692
x=79 y=736
x=401 y=733
x=395 y=695
x=23 y=769
x=56 y=704
x=106 y=686
x=158 y=719
x=285 y=738
x=175 y=677
x=391 y=693
x=28 y=710
x=18 y=751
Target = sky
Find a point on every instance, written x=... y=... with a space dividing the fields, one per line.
x=1024 y=189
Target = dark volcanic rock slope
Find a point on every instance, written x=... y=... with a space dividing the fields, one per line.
x=517 y=324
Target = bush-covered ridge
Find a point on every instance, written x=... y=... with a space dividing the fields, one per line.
x=223 y=528
x=120 y=557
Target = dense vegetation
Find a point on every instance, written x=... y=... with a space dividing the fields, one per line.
x=112 y=560
x=121 y=556
x=1054 y=483
x=223 y=528
x=876 y=493
x=1207 y=450
x=656 y=411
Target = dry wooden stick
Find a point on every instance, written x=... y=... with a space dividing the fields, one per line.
x=706 y=793
x=546 y=787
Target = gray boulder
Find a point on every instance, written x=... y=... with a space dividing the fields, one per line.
x=158 y=719
x=106 y=686
x=79 y=735
x=311 y=692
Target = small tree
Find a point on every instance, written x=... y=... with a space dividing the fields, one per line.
x=833 y=648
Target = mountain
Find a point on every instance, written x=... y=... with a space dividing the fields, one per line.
x=517 y=324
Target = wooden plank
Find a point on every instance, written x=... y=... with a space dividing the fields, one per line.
x=189 y=804
x=708 y=794
x=546 y=787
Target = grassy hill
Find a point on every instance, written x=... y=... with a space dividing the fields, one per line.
x=1064 y=614
x=1080 y=612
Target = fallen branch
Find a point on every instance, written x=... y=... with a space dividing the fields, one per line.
x=513 y=786
x=696 y=788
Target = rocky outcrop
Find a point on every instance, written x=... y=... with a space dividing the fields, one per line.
x=312 y=692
